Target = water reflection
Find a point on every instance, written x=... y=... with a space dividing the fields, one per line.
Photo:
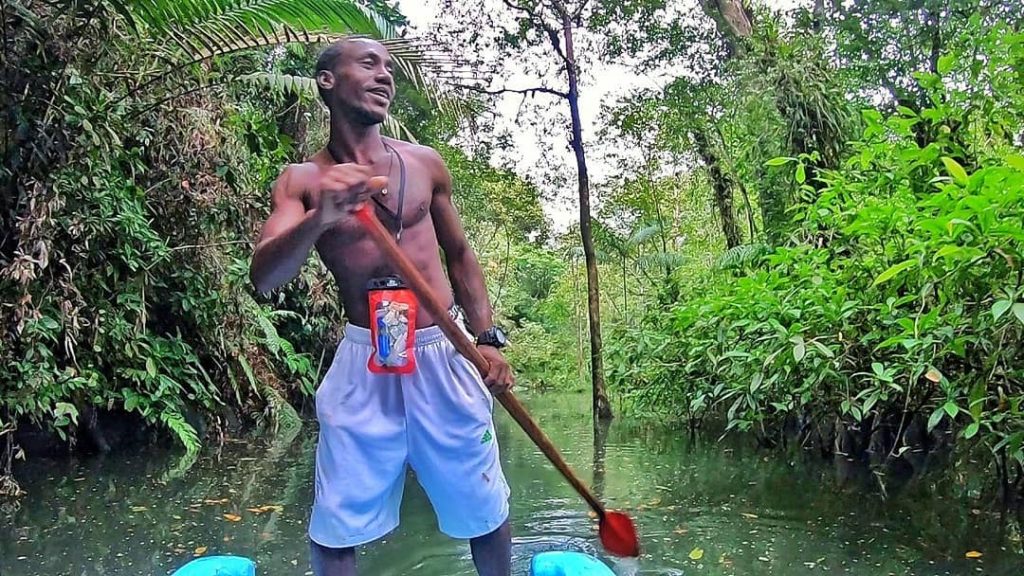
x=748 y=512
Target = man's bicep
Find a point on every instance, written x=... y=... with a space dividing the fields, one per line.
x=450 y=234
x=286 y=206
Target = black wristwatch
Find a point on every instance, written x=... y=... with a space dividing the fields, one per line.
x=493 y=336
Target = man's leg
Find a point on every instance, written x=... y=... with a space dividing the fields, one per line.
x=454 y=451
x=492 y=553
x=360 y=458
x=332 y=561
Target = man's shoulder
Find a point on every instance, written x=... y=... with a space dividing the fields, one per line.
x=425 y=154
x=296 y=177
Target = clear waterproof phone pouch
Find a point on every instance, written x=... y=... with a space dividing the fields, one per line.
x=392 y=326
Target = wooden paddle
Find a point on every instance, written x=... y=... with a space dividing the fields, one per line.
x=616 y=530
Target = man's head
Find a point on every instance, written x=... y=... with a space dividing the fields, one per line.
x=355 y=79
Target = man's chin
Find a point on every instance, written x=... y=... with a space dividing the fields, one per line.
x=371 y=117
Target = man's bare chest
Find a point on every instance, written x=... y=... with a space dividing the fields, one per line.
x=398 y=210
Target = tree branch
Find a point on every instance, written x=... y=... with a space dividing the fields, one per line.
x=525 y=91
x=554 y=35
x=538 y=20
x=579 y=11
x=515 y=6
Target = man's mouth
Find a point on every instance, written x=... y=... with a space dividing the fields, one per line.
x=382 y=92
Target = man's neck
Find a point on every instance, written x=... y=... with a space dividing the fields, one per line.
x=356 y=143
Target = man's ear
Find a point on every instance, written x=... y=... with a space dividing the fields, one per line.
x=325 y=79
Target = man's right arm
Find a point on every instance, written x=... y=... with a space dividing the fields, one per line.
x=287 y=236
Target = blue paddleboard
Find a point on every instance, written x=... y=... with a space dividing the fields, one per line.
x=218 y=566
x=568 y=564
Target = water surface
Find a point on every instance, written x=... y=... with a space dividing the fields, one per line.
x=741 y=510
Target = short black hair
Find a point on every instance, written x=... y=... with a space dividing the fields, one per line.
x=328 y=58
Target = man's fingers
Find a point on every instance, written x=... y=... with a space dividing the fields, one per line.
x=376 y=184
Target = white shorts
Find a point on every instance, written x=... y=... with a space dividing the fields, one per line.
x=437 y=419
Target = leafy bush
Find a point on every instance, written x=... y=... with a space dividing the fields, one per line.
x=898 y=299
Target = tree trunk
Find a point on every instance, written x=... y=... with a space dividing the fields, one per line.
x=602 y=408
x=733 y=20
x=661 y=232
x=625 y=297
x=750 y=211
x=722 y=185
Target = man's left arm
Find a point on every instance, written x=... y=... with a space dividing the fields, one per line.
x=465 y=273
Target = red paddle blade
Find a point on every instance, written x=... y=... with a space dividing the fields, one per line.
x=618 y=535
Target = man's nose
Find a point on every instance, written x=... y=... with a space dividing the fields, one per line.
x=384 y=76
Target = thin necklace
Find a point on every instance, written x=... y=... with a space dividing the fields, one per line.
x=401 y=186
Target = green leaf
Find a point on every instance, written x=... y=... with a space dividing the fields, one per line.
x=64 y=409
x=1000 y=308
x=935 y=418
x=823 y=349
x=1018 y=311
x=945 y=64
x=1016 y=160
x=799 y=348
x=151 y=367
x=971 y=430
x=779 y=161
x=955 y=170
x=801 y=174
x=870 y=402
x=894 y=271
x=951 y=408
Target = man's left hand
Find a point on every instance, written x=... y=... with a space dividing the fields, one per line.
x=499 y=378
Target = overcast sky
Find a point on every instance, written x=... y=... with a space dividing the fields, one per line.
x=602 y=85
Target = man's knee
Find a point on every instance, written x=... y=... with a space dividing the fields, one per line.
x=502 y=532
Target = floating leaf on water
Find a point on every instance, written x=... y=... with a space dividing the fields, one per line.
x=696 y=554
x=200 y=551
x=680 y=530
x=139 y=508
x=232 y=517
x=763 y=558
x=748 y=515
x=973 y=554
x=267 y=508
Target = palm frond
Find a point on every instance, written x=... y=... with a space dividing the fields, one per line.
x=642 y=235
x=663 y=260
x=741 y=256
x=251 y=16
x=192 y=31
x=305 y=86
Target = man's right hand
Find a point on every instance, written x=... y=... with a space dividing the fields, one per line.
x=343 y=189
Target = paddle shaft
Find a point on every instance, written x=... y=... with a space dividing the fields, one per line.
x=458 y=338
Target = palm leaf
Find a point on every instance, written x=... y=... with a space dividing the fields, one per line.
x=741 y=256
x=642 y=235
x=664 y=260
x=188 y=32
x=305 y=86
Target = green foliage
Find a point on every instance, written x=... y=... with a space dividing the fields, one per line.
x=128 y=223
x=897 y=299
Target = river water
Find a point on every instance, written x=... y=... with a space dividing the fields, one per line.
x=702 y=506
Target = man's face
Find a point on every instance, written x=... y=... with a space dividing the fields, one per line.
x=362 y=83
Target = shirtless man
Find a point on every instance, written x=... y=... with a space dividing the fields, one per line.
x=437 y=419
